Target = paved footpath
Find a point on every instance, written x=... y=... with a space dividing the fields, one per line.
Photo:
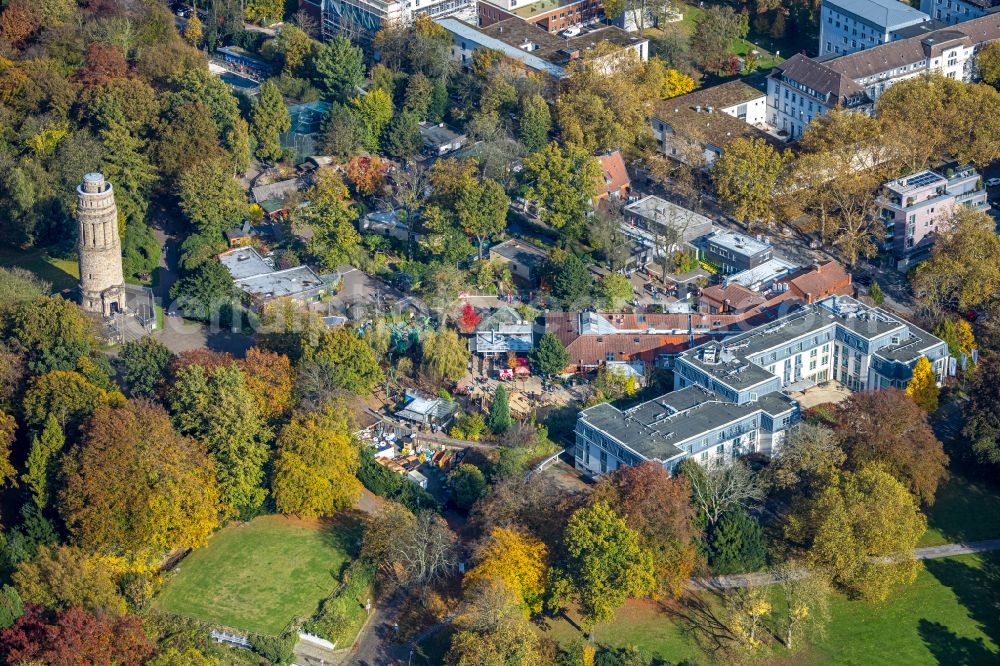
x=764 y=578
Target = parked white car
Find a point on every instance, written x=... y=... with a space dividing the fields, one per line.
x=992 y=182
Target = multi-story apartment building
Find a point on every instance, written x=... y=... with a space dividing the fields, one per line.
x=801 y=88
x=951 y=12
x=734 y=252
x=731 y=398
x=696 y=128
x=534 y=50
x=550 y=15
x=847 y=26
x=361 y=19
x=917 y=208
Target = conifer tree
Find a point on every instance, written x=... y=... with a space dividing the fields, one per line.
x=500 y=420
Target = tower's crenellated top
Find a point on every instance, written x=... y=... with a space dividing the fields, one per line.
x=93 y=183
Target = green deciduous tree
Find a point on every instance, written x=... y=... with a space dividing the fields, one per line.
x=445 y=355
x=135 y=488
x=563 y=184
x=806 y=611
x=339 y=67
x=346 y=361
x=714 y=35
x=468 y=483
x=964 y=269
x=330 y=216
x=8 y=427
x=988 y=60
x=604 y=564
x=615 y=290
x=210 y=198
x=482 y=210
x=216 y=407
x=315 y=465
x=206 y=292
x=745 y=177
x=862 y=529
x=535 y=122
x=263 y=12
x=659 y=508
x=373 y=113
x=67 y=395
x=144 y=362
x=549 y=356
x=268 y=119
x=500 y=420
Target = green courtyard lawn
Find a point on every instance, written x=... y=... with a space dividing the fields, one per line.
x=948 y=616
x=258 y=576
x=61 y=273
x=965 y=510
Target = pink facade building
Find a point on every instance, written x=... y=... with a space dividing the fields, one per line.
x=916 y=208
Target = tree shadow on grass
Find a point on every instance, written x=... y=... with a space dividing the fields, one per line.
x=343 y=533
x=698 y=620
x=953 y=650
x=978 y=590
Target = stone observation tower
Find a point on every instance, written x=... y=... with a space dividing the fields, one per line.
x=102 y=286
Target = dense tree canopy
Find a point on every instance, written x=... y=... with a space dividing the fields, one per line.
x=862 y=529
x=136 y=488
x=315 y=465
x=604 y=564
x=888 y=427
x=216 y=407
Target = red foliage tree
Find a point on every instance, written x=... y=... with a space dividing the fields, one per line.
x=103 y=64
x=366 y=174
x=18 y=22
x=206 y=358
x=659 y=508
x=469 y=320
x=75 y=638
x=888 y=427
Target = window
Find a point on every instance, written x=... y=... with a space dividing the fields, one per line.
x=610 y=356
x=720 y=449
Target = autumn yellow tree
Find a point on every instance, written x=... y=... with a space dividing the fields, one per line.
x=270 y=379
x=518 y=559
x=63 y=577
x=314 y=470
x=861 y=529
x=8 y=426
x=675 y=84
x=135 y=488
x=66 y=394
x=747 y=607
x=923 y=386
x=193 y=31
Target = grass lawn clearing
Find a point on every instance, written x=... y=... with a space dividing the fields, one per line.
x=948 y=616
x=965 y=510
x=60 y=273
x=258 y=576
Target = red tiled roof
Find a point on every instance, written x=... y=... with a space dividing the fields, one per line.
x=734 y=297
x=614 y=175
x=817 y=282
x=645 y=340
